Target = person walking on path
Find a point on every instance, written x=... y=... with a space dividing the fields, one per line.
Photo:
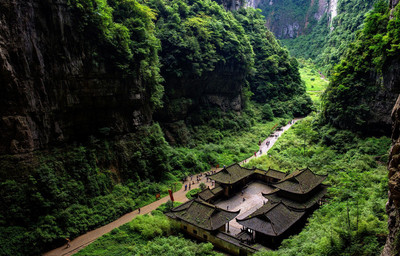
x=68 y=243
x=138 y=210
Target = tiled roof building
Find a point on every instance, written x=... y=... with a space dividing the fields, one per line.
x=231 y=174
x=292 y=200
x=234 y=177
x=209 y=195
x=300 y=181
x=301 y=189
x=202 y=214
x=271 y=222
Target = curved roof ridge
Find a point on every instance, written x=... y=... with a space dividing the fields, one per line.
x=214 y=206
x=182 y=207
x=249 y=169
x=250 y=216
x=274 y=191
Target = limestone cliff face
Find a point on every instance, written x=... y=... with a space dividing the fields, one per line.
x=186 y=96
x=392 y=246
x=392 y=78
x=52 y=90
x=380 y=121
x=291 y=18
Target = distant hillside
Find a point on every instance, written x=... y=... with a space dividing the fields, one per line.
x=293 y=18
x=326 y=41
x=320 y=30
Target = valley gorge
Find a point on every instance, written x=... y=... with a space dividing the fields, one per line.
x=106 y=103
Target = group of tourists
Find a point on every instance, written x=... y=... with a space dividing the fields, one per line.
x=198 y=179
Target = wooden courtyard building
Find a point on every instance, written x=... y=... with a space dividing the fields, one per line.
x=294 y=197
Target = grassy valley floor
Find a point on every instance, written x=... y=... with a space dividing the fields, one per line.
x=315 y=82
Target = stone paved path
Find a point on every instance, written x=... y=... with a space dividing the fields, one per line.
x=264 y=147
x=180 y=196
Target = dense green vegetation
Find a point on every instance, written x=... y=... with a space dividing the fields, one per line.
x=79 y=188
x=215 y=145
x=275 y=78
x=192 y=193
x=351 y=89
x=198 y=35
x=351 y=222
x=121 y=34
x=200 y=41
x=353 y=219
x=72 y=190
x=147 y=235
x=325 y=46
x=314 y=81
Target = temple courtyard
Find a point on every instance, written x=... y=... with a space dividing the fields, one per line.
x=253 y=201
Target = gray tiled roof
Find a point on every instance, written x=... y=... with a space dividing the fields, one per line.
x=206 y=194
x=231 y=174
x=312 y=200
x=272 y=219
x=217 y=189
x=272 y=173
x=300 y=181
x=202 y=214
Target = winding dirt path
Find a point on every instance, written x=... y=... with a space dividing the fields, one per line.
x=84 y=240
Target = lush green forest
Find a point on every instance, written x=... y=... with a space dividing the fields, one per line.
x=324 y=45
x=315 y=82
x=67 y=191
x=352 y=84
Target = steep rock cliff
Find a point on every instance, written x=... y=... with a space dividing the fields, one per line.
x=392 y=79
x=188 y=95
x=392 y=246
x=52 y=88
x=292 y=18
